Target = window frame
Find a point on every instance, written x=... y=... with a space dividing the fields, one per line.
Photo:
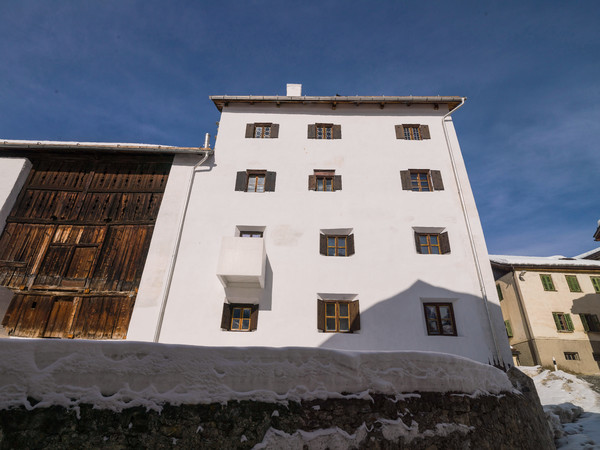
x=251 y=234
x=507 y=325
x=572 y=356
x=563 y=322
x=242 y=180
x=499 y=290
x=406 y=132
x=438 y=319
x=595 y=283
x=573 y=283
x=590 y=322
x=228 y=316
x=321 y=174
x=547 y=282
x=353 y=317
x=324 y=244
x=273 y=128
x=320 y=131
x=442 y=238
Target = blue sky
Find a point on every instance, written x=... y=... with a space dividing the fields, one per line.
x=142 y=71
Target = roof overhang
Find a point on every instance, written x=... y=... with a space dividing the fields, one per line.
x=554 y=267
x=597 y=234
x=222 y=101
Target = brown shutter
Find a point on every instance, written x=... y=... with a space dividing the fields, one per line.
x=417 y=242
x=337 y=132
x=254 y=318
x=321 y=315
x=312 y=131
x=424 y=130
x=226 y=317
x=405 y=178
x=436 y=178
x=354 y=316
x=337 y=183
x=312 y=183
x=241 y=181
x=399 y=132
x=249 y=130
x=322 y=244
x=274 y=130
x=350 y=244
x=270 y=181
x=444 y=243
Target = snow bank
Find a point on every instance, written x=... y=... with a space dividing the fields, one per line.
x=118 y=375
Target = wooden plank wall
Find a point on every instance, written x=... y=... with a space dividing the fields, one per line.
x=75 y=244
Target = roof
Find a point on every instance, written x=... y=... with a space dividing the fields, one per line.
x=223 y=100
x=597 y=233
x=108 y=146
x=549 y=262
x=592 y=254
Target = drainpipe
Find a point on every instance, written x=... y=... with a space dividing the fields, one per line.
x=167 y=288
x=470 y=232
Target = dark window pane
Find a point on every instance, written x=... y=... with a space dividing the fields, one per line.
x=344 y=325
x=237 y=313
x=246 y=313
x=330 y=324
x=343 y=309
x=245 y=324
x=330 y=309
x=235 y=324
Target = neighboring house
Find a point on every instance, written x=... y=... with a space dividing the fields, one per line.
x=338 y=222
x=597 y=233
x=551 y=308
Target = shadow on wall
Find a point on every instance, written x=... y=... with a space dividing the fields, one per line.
x=590 y=304
x=398 y=323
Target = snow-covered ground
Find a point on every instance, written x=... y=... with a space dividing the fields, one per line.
x=570 y=400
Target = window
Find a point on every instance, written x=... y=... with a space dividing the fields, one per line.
x=573 y=283
x=572 y=356
x=596 y=284
x=239 y=317
x=262 y=130
x=590 y=322
x=412 y=132
x=596 y=357
x=340 y=245
x=251 y=234
x=324 y=131
x=500 y=296
x=509 y=332
x=338 y=316
x=421 y=180
x=325 y=180
x=439 y=318
x=563 y=322
x=255 y=181
x=547 y=282
x=432 y=244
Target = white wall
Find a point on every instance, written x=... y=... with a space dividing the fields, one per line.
x=389 y=278
x=13 y=174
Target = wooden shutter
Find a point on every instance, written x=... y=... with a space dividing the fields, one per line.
x=323 y=244
x=270 y=181
x=250 y=130
x=337 y=132
x=337 y=182
x=354 y=316
x=350 y=245
x=405 y=178
x=399 y=132
x=436 y=179
x=321 y=315
x=424 y=130
x=312 y=131
x=418 y=243
x=226 y=317
x=509 y=332
x=241 y=182
x=254 y=318
x=444 y=243
x=584 y=322
x=312 y=183
x=557 y=321
x=274 y=130
x=570 y=326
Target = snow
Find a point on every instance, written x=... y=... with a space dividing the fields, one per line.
x=118 y=375
x=81 y=144
x=588 y=253
x=542 y=261
x=571 y=401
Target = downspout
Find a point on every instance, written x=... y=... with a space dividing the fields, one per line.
x=167 y=287
x=526 y=322
x=470 y=233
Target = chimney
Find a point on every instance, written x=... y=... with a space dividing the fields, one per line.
x=294 y=90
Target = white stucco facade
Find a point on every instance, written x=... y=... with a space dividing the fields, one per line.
x=386 y=275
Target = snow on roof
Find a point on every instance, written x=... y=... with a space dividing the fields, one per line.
x=543 y=261
x=588 y=253
x=29 y=144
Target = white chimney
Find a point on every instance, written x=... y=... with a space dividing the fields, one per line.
x=294 y=90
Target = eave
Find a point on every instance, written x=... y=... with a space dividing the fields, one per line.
x=99 y=146
x=570 y=268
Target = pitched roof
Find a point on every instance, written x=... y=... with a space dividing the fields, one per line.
x=549 y=262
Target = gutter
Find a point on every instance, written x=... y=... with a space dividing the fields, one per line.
x=103 y=146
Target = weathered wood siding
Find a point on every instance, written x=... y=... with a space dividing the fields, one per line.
x=75 y=244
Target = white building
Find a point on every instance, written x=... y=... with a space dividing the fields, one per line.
x=327 y=175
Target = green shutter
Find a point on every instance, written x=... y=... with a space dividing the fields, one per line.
x=509 y=332
x=557 y=321
x=500 y=296
x=547 y=282
x=570 y=326
x=573 y=283
x=596 y=283
x=584 y=322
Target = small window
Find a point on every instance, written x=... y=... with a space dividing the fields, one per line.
x=439 y=318
x=324 y=131
x=572 y=356
x=596 y=284
x=421 y=180
x=251 y=234
x=239 y=317
x=255 y=181
x=547 y=282
x=325 y=181
x=338 y=316
x=336 y=245
x=596 y=357
x=412 y=132
x=509 y=332
x=500 y=296
x=590 y=322
x=563 y=322
x=432 y=244
x=573 y=283
x=262 y=130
